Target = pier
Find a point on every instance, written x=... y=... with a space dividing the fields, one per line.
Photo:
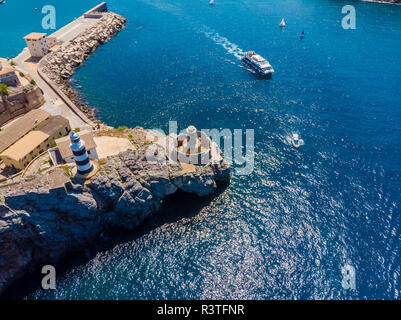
x=57 y=102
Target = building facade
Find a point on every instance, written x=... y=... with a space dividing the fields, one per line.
x=22 y=97
x=20 y=103
x=35 y=142
x=8 y=75
x=37 y=44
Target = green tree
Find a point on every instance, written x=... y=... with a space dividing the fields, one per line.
x=4 y=89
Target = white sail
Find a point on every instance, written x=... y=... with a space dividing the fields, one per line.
x=282 y=23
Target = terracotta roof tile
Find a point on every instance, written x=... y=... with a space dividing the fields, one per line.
x=35 y=35
x=21 y=127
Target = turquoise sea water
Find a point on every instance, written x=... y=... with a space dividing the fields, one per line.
x=286 y=230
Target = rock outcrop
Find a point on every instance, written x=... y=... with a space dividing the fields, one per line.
x=38 y=226
x=61 y=64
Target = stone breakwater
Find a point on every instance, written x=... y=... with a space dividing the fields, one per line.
x=60 y=64
x=38 y=226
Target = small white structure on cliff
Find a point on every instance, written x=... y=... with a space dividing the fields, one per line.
x=84 y=166
x=37 y=44
x=191 y=147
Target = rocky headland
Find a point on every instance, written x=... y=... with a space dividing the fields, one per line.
x=39 y=225
x=60 y=64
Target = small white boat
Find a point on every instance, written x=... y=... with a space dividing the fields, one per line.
x=211 y=2
x=282 y=23
x=295 y=140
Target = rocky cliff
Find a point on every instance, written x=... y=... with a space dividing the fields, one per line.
x=38 y=226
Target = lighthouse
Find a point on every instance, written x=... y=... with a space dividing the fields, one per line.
x=84 y=166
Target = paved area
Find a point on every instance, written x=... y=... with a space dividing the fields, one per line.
x=71 y=30
x=110 y=146
x=40 y=164
x=53 y=104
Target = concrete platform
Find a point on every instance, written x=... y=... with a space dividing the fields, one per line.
x=74 y=28
x=110 y=146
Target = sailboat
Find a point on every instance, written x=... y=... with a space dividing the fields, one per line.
x=302 y=34
x=211 y=2
x=282 y=23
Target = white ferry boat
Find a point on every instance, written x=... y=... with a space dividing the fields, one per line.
x=258 y=63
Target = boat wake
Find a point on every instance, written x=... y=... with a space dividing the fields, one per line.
x=230 y=47
x=218 y=39
x=288 y=141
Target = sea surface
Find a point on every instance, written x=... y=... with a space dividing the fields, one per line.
x=286 y=230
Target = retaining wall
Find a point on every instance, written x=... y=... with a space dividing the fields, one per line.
x=65 y=99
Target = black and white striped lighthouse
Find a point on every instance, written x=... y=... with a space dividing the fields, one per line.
x=84 y=166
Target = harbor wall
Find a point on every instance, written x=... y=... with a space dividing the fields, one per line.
x=65 y=99
x=58 y=66
x=95 y=12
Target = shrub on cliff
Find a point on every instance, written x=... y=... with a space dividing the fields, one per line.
x=122 y=128
x=4 y=89
x=33 y=82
